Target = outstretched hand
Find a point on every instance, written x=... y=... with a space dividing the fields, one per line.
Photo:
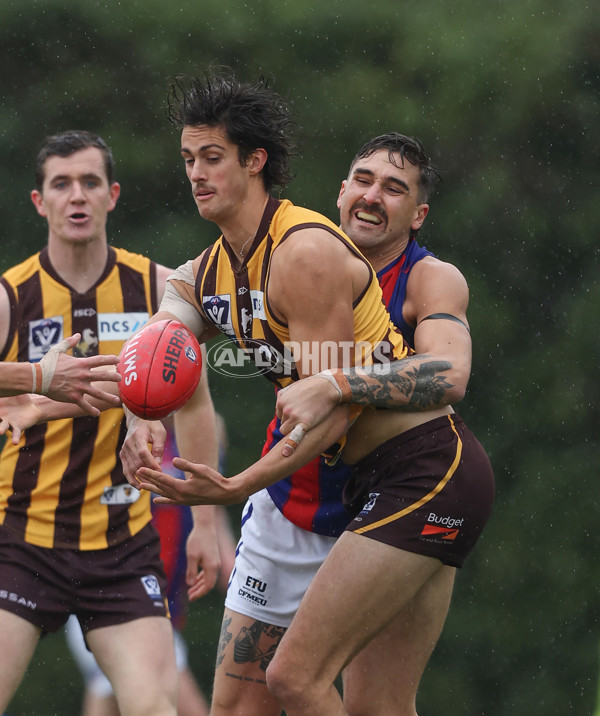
x=71 y=380
x=18 y=412
x=202 y=486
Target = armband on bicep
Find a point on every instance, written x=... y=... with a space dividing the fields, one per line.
x=446 y=317
x=173 y=302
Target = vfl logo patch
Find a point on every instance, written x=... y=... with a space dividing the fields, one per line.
x=120 y=495
x=371 y=503
x=151 y=585
x=43 y=334
x=440 y=532
x=218 y=310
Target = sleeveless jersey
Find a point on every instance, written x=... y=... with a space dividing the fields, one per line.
x=235 y=299
x=393 y=279
x=311 y=497
x=63 y=485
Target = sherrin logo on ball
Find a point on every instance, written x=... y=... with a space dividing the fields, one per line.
x=160 y=368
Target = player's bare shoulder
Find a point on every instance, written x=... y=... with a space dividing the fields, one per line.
x=318 y=258
x=435 y=285
x=308 y=242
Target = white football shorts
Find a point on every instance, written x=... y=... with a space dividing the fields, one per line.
x=274 y=564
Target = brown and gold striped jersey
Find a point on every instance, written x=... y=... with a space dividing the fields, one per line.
x=63 y=485
x=235 y=300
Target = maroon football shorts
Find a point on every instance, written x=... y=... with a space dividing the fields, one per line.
x=102 y=587
x=428 y=490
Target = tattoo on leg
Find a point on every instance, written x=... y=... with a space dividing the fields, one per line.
x=224 y=639
x=412 y=378
x=257 y=643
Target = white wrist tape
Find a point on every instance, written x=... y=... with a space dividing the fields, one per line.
x=34 y=376
x=47 y=367
x=328 y=376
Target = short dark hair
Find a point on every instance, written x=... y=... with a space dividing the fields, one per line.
x=67 y=143
x=408 y=149
x=253 y=116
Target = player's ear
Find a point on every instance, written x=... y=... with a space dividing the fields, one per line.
x=115 y=193
x=341 y=194
x=257 y=160
x=422 y=211
x=38 y=202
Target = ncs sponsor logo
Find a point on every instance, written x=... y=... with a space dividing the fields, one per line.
x=120 y=326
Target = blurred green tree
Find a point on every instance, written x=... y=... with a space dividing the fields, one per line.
x=505 y=96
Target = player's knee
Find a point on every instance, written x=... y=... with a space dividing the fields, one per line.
x=293 y=683
x=282 y=681
x=158 y=697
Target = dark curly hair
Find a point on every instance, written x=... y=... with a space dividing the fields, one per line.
x=252 y=115
x=67 y=143
x=409 y=149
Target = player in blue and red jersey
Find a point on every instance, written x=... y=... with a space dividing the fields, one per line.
x=289 y=528
x=297 y=497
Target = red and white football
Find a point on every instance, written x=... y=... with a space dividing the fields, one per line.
x=160 y=368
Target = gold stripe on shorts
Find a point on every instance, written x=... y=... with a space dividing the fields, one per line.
x=438 y=488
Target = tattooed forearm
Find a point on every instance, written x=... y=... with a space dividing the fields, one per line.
x=411 y=384
x=430 y=388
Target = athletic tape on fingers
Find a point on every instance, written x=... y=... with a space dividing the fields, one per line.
x=48 y=363
x=296 y=436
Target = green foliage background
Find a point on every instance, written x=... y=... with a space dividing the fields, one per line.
x=504 y=95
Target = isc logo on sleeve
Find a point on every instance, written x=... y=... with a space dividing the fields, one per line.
x=120 y=326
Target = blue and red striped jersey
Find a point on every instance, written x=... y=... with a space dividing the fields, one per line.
x=311 y=498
